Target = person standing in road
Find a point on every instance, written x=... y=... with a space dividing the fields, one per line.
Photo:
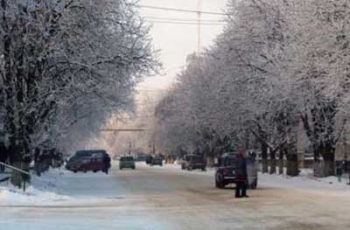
x=107 y=163
x=241 y=175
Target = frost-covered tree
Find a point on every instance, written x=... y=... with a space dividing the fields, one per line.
x=65 y=60
x=276 y=64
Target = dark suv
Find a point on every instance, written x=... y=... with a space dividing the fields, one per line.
x=226 y=171
x=126 y=162
x=191 y=162
x=157 y=160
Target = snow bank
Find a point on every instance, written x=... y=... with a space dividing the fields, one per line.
x=305 y=180
x=39 y=191
x=60 y=185
x=32 y=196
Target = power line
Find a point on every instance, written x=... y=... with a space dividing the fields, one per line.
x=124 y=130
x=183 y=20
x=185 y=23
x=180 y=10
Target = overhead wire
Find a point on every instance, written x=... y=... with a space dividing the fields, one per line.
x=184 y=23
x=180 y=10
x=182 y=19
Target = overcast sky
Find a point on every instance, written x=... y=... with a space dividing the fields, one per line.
x=177 y=41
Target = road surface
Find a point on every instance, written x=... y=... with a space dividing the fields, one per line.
x=168 y=198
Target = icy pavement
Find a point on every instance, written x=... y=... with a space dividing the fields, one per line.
x=171 y=198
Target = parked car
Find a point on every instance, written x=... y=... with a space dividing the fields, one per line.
x=191 y=162
x=89 y=160
x=127 y=162
x=157 y=160
x=226 y=171
x=149 y=159
x=141 y=157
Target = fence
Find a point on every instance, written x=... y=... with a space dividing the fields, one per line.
x=25 y=175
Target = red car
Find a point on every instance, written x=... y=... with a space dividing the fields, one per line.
x=89 y=160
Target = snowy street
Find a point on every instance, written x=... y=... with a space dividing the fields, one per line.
x=168 y=198
x=97 y=97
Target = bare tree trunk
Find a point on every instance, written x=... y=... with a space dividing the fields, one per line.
x=281 y=161
x=329 y=168
x=272 y=162
x=292 y=165
x=329 y=163
x=16 y=177
x=326 y=167
x=264 y=158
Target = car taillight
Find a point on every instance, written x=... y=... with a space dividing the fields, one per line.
x=226 y=172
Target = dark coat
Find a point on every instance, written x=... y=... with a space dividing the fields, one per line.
x=241 y=170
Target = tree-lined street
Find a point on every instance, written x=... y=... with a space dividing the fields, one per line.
x=213 y=97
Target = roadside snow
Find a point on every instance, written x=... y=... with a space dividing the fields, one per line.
x=305 y=180
x=14 y=196
x=41 y=190
x=61 y=186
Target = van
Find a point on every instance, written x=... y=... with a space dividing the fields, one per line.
x=89 y=160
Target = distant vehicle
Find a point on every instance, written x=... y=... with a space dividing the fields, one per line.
x=149 y=159
x=157 y=160
x=89 y=160
x=126 y=162
x=191 y=162
x=226 y=171
x=141 y=157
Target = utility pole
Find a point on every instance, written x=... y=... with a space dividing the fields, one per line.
x=199 y=3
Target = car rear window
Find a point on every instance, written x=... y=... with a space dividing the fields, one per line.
x=196 y=159
x=126 y=159
x=230 y=161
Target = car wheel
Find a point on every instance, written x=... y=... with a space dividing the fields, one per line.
x=95 y=171
x=75 y=171
x=133 y=168
x=189 y=168
x=182 y=167
x=203 y=169
x=120 y=168
x=218 y=182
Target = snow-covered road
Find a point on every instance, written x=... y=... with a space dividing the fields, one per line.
x=168 y=198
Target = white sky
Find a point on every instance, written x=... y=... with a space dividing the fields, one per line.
x=176 y=42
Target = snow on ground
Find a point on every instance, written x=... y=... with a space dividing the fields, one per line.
x=32 y=196
x=61 y=186
x=305 y=180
